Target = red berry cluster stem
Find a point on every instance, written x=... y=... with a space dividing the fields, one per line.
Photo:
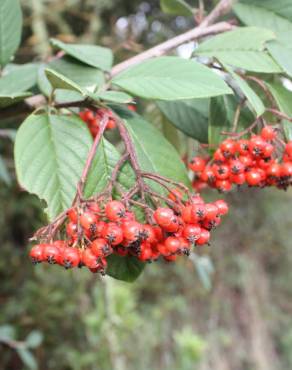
x=255 y=162
x=93 y=229
x=93 y=117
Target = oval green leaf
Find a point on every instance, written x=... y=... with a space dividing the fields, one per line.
x=171 y=78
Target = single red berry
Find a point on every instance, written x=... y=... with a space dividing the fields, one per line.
x=222 y=171
x=186 y=214
x=113 y=234
x=88 y=221
x=172 y=244
x=37 y=253
x=100 y=248
x=163 y=216
x=204 y=237
x=191 y=233
x=115 y=210
x=208 y=175
x=222 y=207
x=256 y=145
x=73 y=215
x=268 y=133
x=71 y=229
x=223 y=185
x=132 y=230
x=146 y=252
x=237 y=179
x=90 y=260
x=211 y=210
x=267 y=150
x=228 y=148
x=173 y=226
x=170 y=258
x=70 y=257
x=219 y=156
x=288 y=148
x=52 y=254
x=242 y=147
x=149 y=234
x=253 y=177
x=198 y=212
x=286 y=169
x=236 y=167
x=246 y=160
x=274 y=170
x=197 y=164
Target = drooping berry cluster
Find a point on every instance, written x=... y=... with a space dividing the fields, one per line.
x=95 y=231
x=254 y=162
x=93 y=118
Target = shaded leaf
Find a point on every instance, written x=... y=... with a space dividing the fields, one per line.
x=59 y=81
x=10 y=99
x=113 y=97
x=124 y=268
x=27 y=358
x=282 y=55
x=18 y=78
x=189 y=116
x=34 y=339
x=92 y=55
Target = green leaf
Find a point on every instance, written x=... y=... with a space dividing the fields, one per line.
x=171 y=78
x=18 y=78
x=264 y=14
x=253 y=99
x=113 y=97
x=50 y=153
x=221 y=118
x=283 y=99
x=243 y=48
x=83 y=75
x=10 y=99
x=65 y=96
x=102 y=166
x=59 y=81
x=92 y=55
x=10 y=29
x=176 y=7
x=34 y=339
x=189 y=116
x=154 y=152
x=124 y=268
x=282 y=55
x=27 y=358
x=4 y=174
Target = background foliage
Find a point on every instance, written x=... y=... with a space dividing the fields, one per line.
x=227 y=308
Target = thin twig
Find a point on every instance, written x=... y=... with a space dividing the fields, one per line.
x=279 y=114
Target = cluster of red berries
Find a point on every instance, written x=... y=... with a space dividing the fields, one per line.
x=93 y=118
x=95 y=232
x=254 y=162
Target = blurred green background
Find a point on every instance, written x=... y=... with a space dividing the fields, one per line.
x=226 y=308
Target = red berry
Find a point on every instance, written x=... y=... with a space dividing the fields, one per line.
x=236 y=166
x=100 y=248
x=204 y=237
x=52 y=254
x=172 y=244
x=113 y=234
x=286 y=169
x=208 y=175
x=88 y=221
x=221 y=172
x=223 y=185
x=73 y=215
x=268 y=133
x=197 y=164
x=90 y=260
x=222 y=207
x=132 y=230
x=212 y=211
x=70 y=257
x=228 y=148
x=163 y=216
x=198 y=212
x=71 y=229
x=238 y=179
x=253 y=177
x=242 y=147
x=191 y=233
x=115 y=210
x=288 y=148
x=36 y=253
x=274 y=170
